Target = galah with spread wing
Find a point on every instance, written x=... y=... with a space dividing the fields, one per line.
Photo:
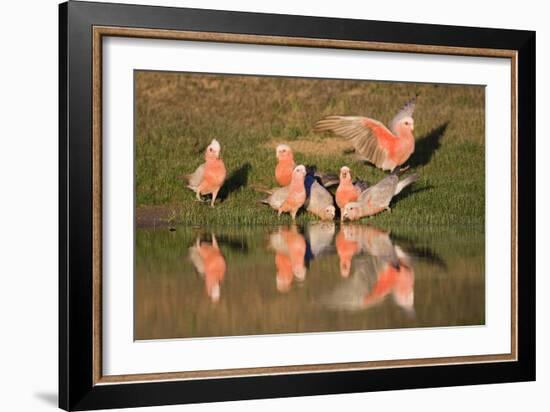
x=348 y=191
x=374 y=142
x=377 y=198
x=209 y=263
x=208 y=178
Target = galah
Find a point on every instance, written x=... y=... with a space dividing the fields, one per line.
x=208 y=178
x=374 y=142
x=393 y=268
x=290 y=250
x=209 y=263
x=296 y=193
x=375 y=276
x=286 y=164
x=346 y=248
x=348 y=191
x=319 y=239
x=319 y=201
x=283 y=272
x=377 y=198
x=397 y=280
x=373 y=241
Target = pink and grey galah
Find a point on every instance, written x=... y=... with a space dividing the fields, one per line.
x=348 y=191
x=292 y=197
x=286 y=164
x=296 y=194
x=319 y=202
x=385 y=148
x=377 y=198
x=210 y=264
x=209 y=177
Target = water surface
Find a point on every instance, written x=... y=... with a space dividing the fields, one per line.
x=323 y=277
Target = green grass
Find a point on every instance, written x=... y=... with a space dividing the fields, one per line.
x=178 y=114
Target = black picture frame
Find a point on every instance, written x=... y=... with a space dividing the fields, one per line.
x=77 y=390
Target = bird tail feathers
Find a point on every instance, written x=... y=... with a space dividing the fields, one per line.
x=263 y=190
x=406 y=182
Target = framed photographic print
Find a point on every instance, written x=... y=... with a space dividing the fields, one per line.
x=257 y=205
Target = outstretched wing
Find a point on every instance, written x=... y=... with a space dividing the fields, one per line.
x=369 y=137
x=406 y=111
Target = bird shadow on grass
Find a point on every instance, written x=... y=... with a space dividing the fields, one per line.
x=427 y=145
x=237 y=179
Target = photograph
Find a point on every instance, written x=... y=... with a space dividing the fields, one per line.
x=284 y=205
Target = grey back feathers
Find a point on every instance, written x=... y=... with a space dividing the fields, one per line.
x=361 y=185
x=195 y=178
x=381 y=193
x=277 y=197
x=319 y=198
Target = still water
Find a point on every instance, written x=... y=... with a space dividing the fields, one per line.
x=201 y=282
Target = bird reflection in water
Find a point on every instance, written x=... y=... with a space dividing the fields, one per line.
x=380 y=269
x=319 y=240
x=371 y=266
x=210 y=264
x=290 y=251
x=346 y=248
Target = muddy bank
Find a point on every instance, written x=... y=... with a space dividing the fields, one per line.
x=151 y=217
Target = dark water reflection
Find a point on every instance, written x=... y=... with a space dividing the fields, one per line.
x=198 y=282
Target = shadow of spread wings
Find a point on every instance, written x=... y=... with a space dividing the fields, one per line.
x=369 y=137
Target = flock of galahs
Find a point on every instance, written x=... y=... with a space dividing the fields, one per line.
x=301 y=187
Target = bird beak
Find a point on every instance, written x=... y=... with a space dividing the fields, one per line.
x=412 y=127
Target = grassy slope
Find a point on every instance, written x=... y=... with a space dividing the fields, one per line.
x=178 y=114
